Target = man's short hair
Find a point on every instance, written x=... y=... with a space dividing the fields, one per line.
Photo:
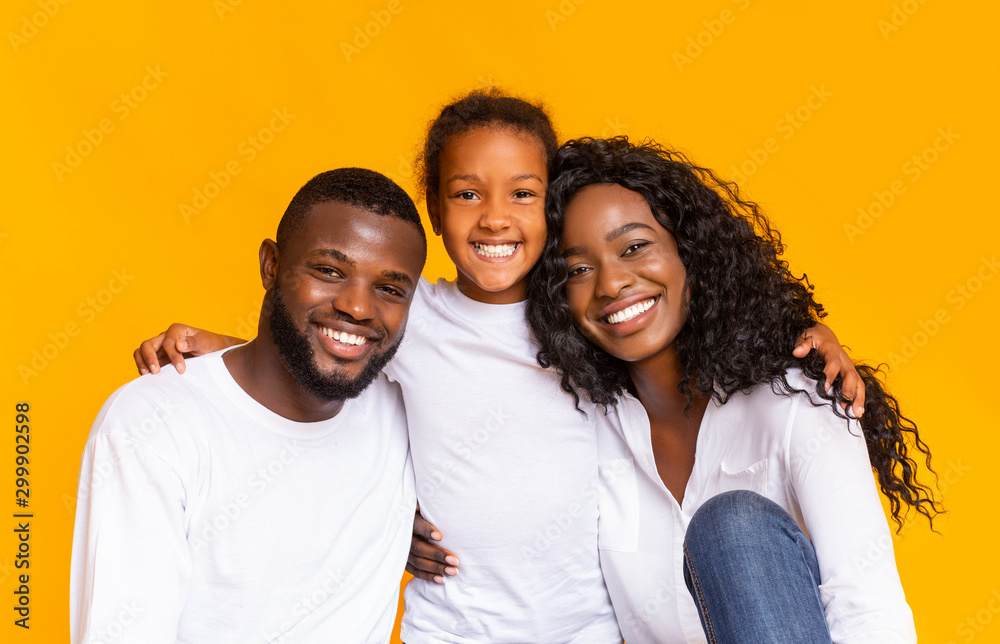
x=364 y=189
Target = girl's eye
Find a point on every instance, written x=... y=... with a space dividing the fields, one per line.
x=631 y=248
x=523 y=194
x=466 y=194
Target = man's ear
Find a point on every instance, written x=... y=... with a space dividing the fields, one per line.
x=433 y=212
x=268 y=263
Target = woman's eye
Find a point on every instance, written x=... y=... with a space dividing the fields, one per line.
x=577 y=270
x=631 y=248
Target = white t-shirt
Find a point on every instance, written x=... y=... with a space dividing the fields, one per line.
x=204 y=517
x=506 y=468
x=804 y=458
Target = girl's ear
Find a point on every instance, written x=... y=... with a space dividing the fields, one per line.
x=433 y=212
x=268 y=263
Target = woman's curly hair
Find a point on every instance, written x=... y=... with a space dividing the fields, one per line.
x=745 y=307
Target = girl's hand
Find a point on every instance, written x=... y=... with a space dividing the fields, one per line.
x=838 y=363
x=176 y=343
x=427 y=560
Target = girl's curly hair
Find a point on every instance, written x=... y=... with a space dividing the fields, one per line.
x=492 y=108
x=745 y=307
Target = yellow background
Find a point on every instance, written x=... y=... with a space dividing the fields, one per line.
x=890 y=74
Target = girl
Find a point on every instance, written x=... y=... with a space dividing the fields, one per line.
x=666 y=300
x=503 y=463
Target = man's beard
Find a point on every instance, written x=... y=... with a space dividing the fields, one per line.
x=299 y=357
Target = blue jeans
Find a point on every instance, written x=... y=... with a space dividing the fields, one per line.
x=753 y=573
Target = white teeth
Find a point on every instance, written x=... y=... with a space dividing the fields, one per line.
x=629 y=313
x=498 y=250
x=344 y=338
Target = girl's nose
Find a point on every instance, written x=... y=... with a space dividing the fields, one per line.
x=494 y=217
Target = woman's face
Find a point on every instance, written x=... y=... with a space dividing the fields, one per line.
x=626 y=280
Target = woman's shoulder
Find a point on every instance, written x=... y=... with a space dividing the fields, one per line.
x=782 y=406
x=780 y=393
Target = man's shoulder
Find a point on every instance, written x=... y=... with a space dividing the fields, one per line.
x=381 y=396
x=196 y=382
x=164 y=399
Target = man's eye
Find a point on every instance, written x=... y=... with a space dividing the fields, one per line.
x=393 y=291
x=328 y=271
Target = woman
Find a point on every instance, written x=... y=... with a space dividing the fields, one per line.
x=662 y=296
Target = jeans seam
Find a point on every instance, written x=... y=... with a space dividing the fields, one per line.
x=710 y=632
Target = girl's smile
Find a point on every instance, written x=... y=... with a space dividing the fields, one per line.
x=496 y=251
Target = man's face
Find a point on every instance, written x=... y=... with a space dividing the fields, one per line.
x=340 y=297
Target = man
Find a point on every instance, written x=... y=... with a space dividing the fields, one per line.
x=266 y=495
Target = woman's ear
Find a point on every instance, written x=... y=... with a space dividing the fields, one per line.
x=268 y=263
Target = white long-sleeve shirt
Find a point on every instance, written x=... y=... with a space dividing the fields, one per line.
x=506 y=468
x=204 y=517
x=804 y=458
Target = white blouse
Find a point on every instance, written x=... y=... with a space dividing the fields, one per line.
x=806 y=459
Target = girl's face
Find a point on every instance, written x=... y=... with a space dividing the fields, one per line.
x=490 y=210
x=626 y=280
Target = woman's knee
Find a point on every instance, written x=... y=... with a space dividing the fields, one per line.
x=737 y=515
